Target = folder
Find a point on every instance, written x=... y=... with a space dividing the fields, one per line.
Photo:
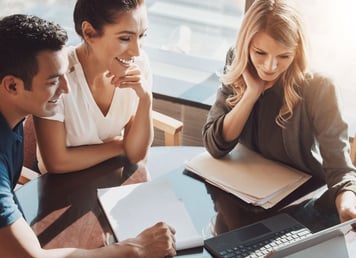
x=130 y=209
x=248 y=175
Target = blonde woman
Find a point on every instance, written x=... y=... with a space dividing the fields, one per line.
x=270 y=102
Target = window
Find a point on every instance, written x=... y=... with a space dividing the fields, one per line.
x=200 y=28
x=59 y=11
x=332 y=29
x=187 y=40
x=187 y=44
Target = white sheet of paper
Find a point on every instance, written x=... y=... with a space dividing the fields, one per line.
x=132 y=208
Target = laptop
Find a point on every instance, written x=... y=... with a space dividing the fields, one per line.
x=280 y=236
x=328 y=243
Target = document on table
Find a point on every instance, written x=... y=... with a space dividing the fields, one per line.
x=248 y=175
x=131 y=209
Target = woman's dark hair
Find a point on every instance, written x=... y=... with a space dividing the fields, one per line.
x=100 y=12
x=22 y=37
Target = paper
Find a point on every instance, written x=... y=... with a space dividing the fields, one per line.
x=131 y=209
x=248 y=175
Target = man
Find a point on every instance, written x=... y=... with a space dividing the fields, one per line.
x=32 y=66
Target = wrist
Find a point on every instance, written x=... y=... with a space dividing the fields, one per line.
x=146 y=99
x=252 y=94
x=117 y=146
x=130 y=249
x=346 y=205
x=343 y=200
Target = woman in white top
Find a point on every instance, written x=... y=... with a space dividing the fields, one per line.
x=107 y=112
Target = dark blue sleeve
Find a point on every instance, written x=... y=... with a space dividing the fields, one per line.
x=9 y=211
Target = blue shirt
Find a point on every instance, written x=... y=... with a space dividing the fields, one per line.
x=11 y=160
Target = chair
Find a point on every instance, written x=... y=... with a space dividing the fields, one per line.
x=29 y=143
x=171 y=127
x=27 y=173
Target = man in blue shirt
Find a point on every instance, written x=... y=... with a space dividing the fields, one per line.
x=33 y=62
x=32 y=79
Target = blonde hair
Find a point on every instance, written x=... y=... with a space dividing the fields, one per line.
x=280 y=20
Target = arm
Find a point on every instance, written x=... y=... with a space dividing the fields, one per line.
x=235 y=120
x=18 y=240
x=213 y=139
x=346 y=205
x=332 y=135
x=224 y=124
x=58 y=158
x=138 y=134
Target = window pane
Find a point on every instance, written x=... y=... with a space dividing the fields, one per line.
x=59 y=11
x=332 y=29
x=202 y=28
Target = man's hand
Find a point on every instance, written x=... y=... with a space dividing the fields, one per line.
x=157 y=241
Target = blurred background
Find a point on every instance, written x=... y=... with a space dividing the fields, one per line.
x=202 y=31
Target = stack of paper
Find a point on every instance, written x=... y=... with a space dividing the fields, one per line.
x=131 y=209
x=248 y=175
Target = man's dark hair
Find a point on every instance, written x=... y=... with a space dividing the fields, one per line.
x=22 y=37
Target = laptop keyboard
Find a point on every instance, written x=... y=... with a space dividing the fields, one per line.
x=263 y=246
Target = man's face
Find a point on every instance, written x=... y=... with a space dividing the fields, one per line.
x=47 y=85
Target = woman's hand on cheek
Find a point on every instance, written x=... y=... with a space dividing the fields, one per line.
x=132 y=78
x=254 y=84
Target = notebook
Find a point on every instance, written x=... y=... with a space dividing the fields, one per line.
x=249 y=176
x=132 y=208
x=281 y=236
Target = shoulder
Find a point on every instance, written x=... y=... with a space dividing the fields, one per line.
x=317 y=80
x=319 y=93
x=72 y=56
x=230 y=55
x=318 y=84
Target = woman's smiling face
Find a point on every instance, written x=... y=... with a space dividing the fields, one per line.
x=269 y=57
x=121 y=42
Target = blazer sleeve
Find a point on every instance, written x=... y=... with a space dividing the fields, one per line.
x=332 y=135
x=212 y=129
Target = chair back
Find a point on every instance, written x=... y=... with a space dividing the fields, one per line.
x=29 y=143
